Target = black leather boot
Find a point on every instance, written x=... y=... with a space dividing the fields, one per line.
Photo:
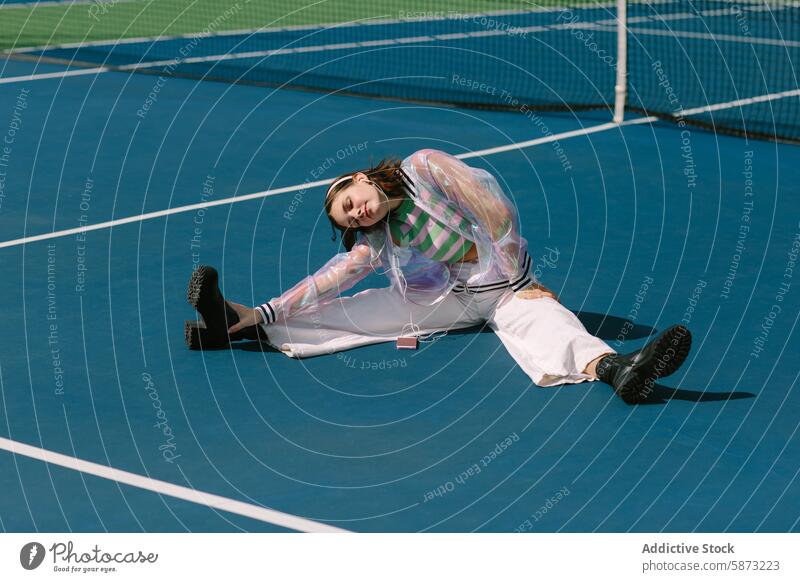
x=633 y=375
x=217 y=315
x=198 y=336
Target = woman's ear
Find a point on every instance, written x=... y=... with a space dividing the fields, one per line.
x=360 y=177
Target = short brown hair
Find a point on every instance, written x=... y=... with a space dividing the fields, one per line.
x=386 y=175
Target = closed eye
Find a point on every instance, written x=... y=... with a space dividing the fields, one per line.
x=348 y=207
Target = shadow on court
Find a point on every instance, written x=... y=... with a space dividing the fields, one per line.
x=663 y=394
x=609 y=327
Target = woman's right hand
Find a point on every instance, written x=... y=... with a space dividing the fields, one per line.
x=248 y=317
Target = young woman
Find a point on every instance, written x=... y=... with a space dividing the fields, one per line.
x=448 y=239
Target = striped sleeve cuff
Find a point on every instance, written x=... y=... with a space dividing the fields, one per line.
x=267 y=313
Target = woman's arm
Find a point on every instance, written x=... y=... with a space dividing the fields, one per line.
x=481 y=196
x=339 y=274
x=458 y=180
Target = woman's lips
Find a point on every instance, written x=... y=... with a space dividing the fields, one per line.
x=366 y=211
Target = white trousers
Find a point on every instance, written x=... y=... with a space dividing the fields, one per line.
x=546 y=339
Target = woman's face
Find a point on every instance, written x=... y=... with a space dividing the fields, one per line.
x=360 y=204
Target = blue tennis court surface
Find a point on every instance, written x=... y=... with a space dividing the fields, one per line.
x=635 y=227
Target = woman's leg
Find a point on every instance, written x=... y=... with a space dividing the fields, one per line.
x=547 y=340
x=368 y=317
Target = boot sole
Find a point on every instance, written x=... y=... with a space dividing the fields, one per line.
x=672 y=350
x=205 y=281
x=196 y=283
x=669 y=352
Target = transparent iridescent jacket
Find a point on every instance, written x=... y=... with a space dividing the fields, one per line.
x=442 y=186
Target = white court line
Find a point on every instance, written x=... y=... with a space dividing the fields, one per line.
x=556 y=137
x=300 y=50
x=690 y=15
x=162 y=487
x=716 y=37
x=293 y=28
x=296 y=50
x=160 y=213
x=738 y=103
x=303 y=186
x=55 y=75
x=307 y=185
x=464 y=156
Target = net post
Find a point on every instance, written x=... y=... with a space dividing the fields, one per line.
x=621 y=87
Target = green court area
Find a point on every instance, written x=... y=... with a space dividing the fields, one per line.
x=24 y=25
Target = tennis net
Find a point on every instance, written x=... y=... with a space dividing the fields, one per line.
x=725 y=64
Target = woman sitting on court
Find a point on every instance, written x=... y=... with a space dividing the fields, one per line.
x=448 y=238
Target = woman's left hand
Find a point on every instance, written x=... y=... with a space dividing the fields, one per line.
x=248 y=317
x=536 y=291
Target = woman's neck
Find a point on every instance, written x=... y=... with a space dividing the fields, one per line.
x=395 y=203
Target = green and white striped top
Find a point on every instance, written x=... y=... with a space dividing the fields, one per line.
x=411 y=226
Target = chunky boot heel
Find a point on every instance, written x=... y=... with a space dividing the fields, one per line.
x=199 y=337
